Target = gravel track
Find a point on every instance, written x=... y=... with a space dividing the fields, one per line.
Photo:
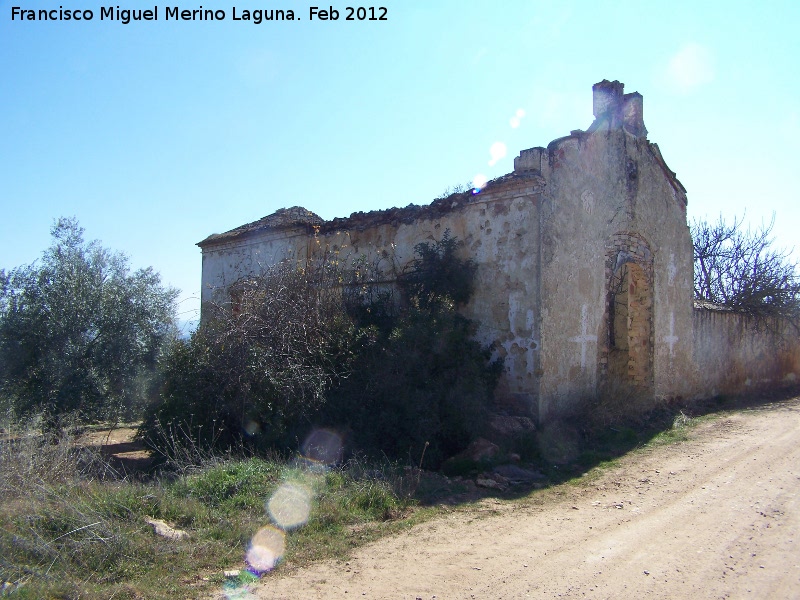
x=716 y=516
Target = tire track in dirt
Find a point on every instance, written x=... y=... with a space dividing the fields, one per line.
x=717 y=516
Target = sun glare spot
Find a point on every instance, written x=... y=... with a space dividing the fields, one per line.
x=266 y=549
x=251 y=428
x=234 y=590
x=497 y=151
x=517 y=118
x=323 y=446
x=690 y=67
x=479 y=182
x=290 y=506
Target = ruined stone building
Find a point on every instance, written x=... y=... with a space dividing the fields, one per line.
x=584 y=270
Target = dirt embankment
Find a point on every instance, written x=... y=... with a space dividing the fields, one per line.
x=717 y=516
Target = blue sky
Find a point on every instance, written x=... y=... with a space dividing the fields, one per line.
x=156 y=134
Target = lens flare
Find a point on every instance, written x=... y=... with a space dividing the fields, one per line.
x=266 y=549
x=517 y=118
x=234 y=590
x=290 y=506
x=479 y=182
x=323 y=446
x=690 y=67
x=251 y=428
x=497 y=151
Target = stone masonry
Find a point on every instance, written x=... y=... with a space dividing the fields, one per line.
x=584 y=279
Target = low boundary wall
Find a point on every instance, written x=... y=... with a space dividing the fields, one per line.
x=735 y=353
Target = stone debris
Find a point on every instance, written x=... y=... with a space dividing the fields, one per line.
x=161 y=528
x=505 y=427
x=517 y=475
x=481 y=449
x=489 y=483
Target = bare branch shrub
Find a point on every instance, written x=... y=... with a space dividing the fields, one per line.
x=295 y=317
x=259 y=366
x=742 y=269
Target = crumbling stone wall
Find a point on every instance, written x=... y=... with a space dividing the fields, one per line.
x=584 y=279
x=499 y=228
x=612 y=206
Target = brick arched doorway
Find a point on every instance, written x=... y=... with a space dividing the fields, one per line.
x=627 y=355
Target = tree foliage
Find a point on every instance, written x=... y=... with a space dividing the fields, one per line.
x=423 y=384
x=741 y=269
x=78 y=331
x=438 y=273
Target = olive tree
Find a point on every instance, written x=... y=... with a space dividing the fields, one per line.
x=79 y=332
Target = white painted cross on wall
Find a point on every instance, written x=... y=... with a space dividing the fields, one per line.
x=584 y=338
x=671 y=338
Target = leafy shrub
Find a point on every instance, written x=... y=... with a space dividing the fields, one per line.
x=423 y=384
x=438 y=274
x=426 y=381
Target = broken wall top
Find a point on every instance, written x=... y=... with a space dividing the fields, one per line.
x=613 y=110
x=303 y=220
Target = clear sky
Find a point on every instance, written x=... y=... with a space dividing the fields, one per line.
x=156 y=134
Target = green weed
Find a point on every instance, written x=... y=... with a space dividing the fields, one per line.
x=65 y=533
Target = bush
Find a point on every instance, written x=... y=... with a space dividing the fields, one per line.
x=296 y=348
x=422 y=385
x=256 y=369
x=438 y=274
x=425 y=382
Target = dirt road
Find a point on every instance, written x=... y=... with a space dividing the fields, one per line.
x=717 y=516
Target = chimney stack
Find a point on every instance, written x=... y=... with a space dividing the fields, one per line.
x=607 y=97
x=632 y=114
x=609 y=102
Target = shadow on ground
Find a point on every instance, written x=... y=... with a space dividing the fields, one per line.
x=567 y=449
x=555 y=453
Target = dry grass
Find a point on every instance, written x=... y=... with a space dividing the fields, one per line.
x=72 y=526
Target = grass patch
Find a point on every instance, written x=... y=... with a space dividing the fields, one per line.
x=678 y=432
x=67 y=532
x=71 y=526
